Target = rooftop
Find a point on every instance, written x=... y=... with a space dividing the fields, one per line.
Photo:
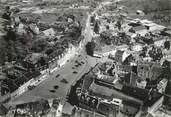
x=126 y=93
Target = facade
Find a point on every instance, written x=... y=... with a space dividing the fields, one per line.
x=162 y=85
x=141 y=84
x=49 y=32
x=149 y=70
x=141 y=30
x=105 y=52
x=158 y=104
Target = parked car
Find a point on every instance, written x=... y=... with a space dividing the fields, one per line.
x=57 y=75
x=75 y=72
x=31 y=87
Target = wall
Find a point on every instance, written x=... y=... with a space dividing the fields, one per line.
x=156 y=105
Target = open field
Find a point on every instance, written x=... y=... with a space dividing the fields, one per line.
x=158 y=11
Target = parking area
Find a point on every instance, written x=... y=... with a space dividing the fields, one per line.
x=58 y=83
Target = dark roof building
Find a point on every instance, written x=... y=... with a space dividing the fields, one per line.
x=137 y=28
x=3 y=110
x=118 y=55
x=136 y=96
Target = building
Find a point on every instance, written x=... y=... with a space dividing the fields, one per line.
x=123 y=68
x=3 y=110
x=133 y=97
x=162 y=85
x=149 y=70
x=167 y=32
x=67 y=109
x=130 y=79
x=105 y=51
x=137 y=47
x=141 y=83
x=119 y=55
x=36 y=61
x=141 y=30
x=157 y=105
x=49 y=32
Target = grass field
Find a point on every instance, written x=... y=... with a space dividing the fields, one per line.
x=158 y=11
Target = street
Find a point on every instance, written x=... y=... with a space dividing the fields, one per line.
x=58 y=82
x=46 y=88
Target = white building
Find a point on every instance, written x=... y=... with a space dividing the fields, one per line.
x=49 y=32
x=137 y=47
x=156 y=106
x=34 y=28
x=141 y=84
x=159 y=42
x=162 y=85
x=59 y=110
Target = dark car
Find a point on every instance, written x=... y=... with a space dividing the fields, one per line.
x=52 y=91
x=64 y=81
x=57 y=75
x=56 y=87
x=79 y=64
x=82 y=62
x=76 y=61
x=75 y=72
x=31 y=87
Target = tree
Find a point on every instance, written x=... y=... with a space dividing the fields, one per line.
x=7 y=13
x=167 y=45
x=128 y=60
x=11 y=35
x=106 y=37
x=118 y=24
x=90 y=48
x=96 y=28
x=92 y=20
x=166 y=69
x=148 y=40
x=39 y=45
x=156 y=54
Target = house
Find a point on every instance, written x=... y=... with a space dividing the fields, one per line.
x=130 y=79
x=162 y=85
x=159 y=41
x=133 y=98
x=21 y=29
x=123 y=68
x=149 y=70
x=3 y=110
x=49 y=32
x=109 y=107
x=137 y=47
x=104 y=51
x=119 y=55
x=67 y=109
x=156 y=28
x=167 y=32
x=35 y=61
x=155 y=106
x=139 y=12
x=142 y=30
x=34 y=28
x=129 y=109
x=141 y=83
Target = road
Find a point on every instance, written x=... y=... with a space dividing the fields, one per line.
x=43 y=89
x=65 y=72
x=46 y=88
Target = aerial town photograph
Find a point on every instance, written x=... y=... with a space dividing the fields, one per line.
x=85 y=58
